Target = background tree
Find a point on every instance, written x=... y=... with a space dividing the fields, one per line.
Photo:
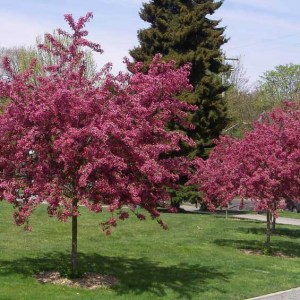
x=249 y=103
x=282 y=83
x=243 y=101
x=182 y=31
x=69 y=141
x=21 y=57
x=263 y=166
x=238 y=78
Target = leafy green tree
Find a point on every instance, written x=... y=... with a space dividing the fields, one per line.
x=182 y=31
x=246 y=104
x=282 y=83
x=21 y=57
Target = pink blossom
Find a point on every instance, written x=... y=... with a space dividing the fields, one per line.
x=123 y=215
x=112 y=222
x=97 y=139
x=141 y=217
x=263 y=166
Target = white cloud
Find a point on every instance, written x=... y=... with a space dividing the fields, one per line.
x=246 y=27
x=17 y=30
x=269 y=6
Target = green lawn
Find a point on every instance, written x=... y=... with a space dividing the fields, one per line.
x=288 y=214
x=283 y=214
x=198 y=258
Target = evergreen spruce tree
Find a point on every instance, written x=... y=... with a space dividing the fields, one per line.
x=181 y=30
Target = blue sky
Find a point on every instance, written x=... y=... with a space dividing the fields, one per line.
x=265 y=33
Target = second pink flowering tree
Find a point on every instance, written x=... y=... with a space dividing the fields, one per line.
x=69 y=140
x=264 y=166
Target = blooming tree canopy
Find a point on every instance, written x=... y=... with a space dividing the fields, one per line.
x=264 y=166
x=69 y=139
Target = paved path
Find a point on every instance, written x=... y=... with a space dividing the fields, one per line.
x=293 y=294
x=257 y=217
x=279 y=220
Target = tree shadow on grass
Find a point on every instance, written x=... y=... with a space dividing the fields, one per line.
x=279 y=231
x=135 y=275
x=288 y=248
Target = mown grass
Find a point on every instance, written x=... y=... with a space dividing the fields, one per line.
x=281 y=213
x=198 y=258
x=289 y=214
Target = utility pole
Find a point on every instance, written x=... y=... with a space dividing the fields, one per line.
x=224 y=59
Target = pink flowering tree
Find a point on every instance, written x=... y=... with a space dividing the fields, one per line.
x=263 y=166
x=69 y=140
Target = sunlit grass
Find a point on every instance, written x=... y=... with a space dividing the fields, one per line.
x=198 y=258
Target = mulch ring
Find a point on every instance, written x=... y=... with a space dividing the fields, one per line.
x=89 y=281
x=260 y=252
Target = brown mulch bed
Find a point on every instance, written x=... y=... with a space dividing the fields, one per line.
x=259 y=252
x=89 y=281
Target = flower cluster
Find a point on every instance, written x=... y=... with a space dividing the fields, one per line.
x=264 y=166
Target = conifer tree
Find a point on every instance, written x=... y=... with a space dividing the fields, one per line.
x=182 y=31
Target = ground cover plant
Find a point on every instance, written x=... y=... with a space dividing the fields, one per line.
x=194 y=259
x=71 y=139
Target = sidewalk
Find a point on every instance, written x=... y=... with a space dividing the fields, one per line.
x=256 y=217
x=279 y=220
x=293 y=294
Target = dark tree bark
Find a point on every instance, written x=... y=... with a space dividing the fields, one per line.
x=273 y=223
x=74 y=269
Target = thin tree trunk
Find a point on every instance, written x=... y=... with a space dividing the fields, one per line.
x=273 y=223
x=268 y=239
x=74 y=239
x=227 y=211
x=175 y=205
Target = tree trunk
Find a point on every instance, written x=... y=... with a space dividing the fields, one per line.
x=175 y=204
x=74 y=239
x=227 y=206
x=273 y=223
x=268 y=233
